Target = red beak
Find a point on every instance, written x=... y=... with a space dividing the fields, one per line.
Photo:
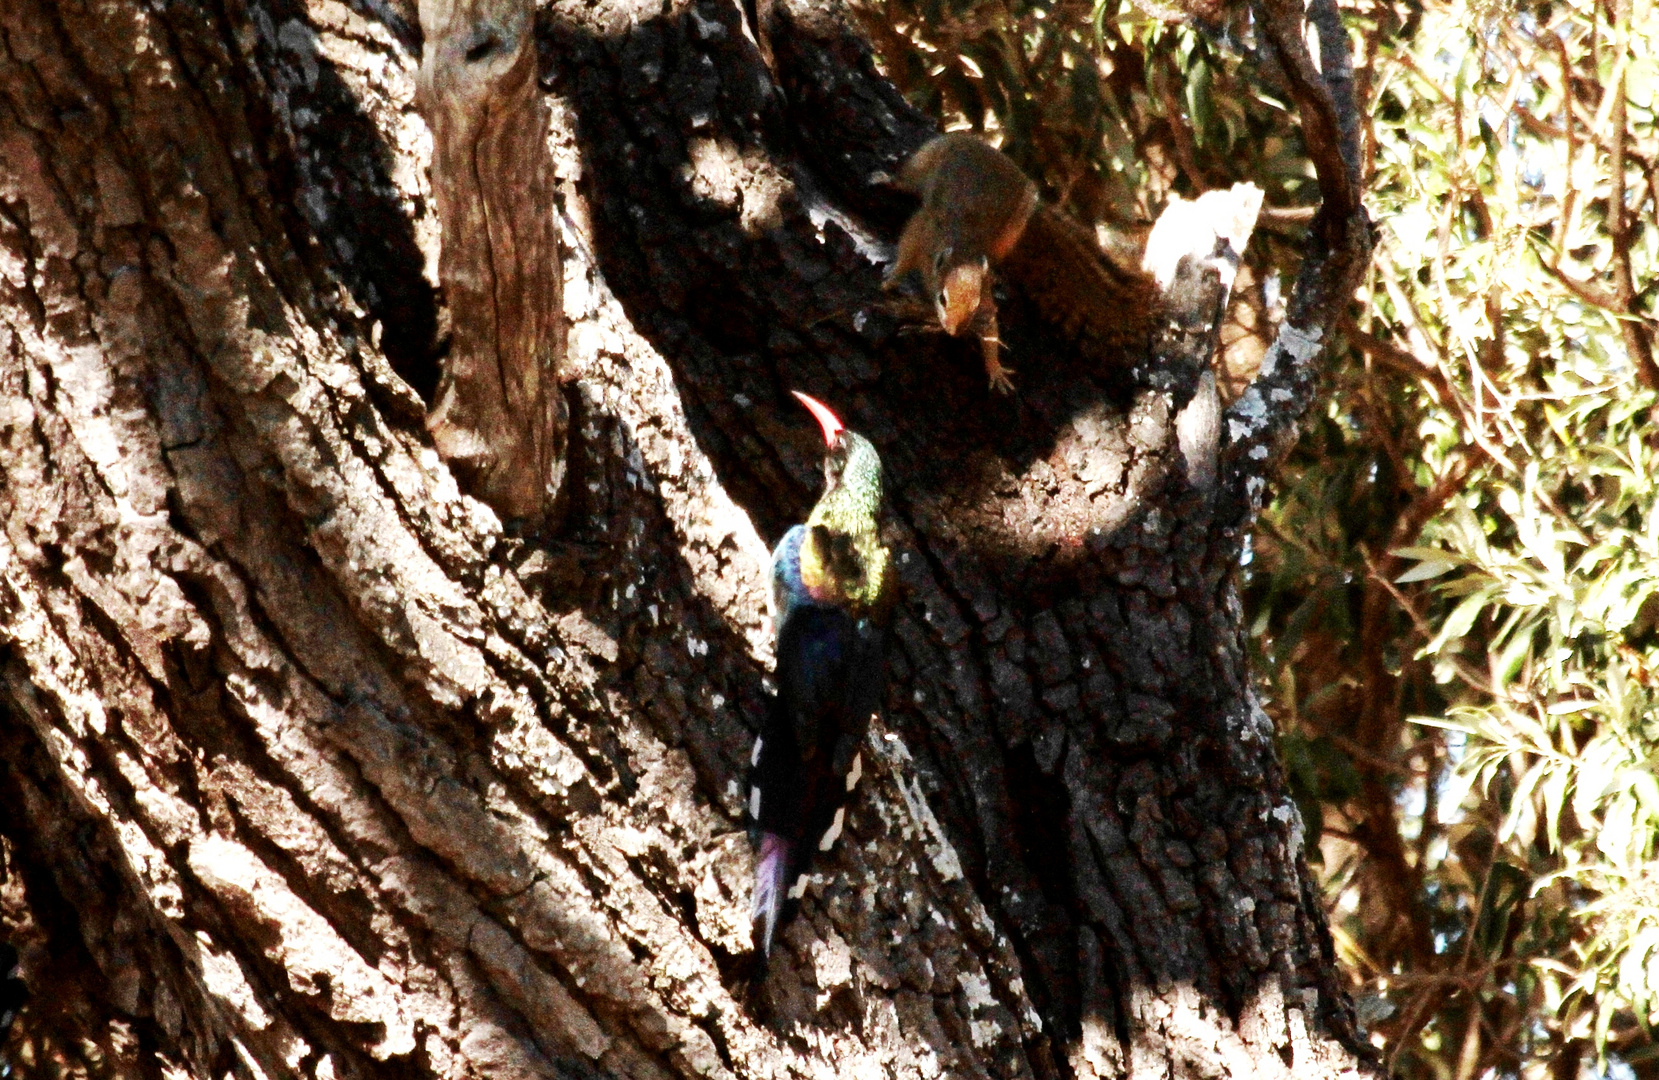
x=826 y=419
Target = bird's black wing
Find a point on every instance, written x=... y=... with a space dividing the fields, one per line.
x=831 y=674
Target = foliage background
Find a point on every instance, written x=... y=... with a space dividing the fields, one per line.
x=1453 y=595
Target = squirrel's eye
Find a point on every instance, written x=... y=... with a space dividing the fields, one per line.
x=944 y=298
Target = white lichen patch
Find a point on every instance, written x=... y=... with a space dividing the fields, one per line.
x=1296 y=345
x=832 y=963
x=821 y=212
x=922 y=822
x=1286 y=813
x=1190 y=229
x=976 y=989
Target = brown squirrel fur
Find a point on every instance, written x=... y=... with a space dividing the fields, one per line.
x=979 y=210
x=975 y=203
x=1107 y=310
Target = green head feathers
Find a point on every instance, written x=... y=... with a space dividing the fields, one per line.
x=843 y=561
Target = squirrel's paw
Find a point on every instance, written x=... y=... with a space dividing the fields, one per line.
x=990 y=345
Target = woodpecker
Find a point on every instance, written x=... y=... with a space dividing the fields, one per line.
x=830 y=591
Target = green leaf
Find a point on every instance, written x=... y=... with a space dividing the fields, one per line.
x=1645 y=787
x=1555 y=796
x=1423 y=571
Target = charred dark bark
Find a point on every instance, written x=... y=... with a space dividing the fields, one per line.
x=310 y=770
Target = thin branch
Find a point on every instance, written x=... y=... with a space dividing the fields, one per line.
x=1393 y=356
x=1569 y=201
x=1425 y=1002
x=1633 y=325
x=1540 y=128
x=1382 y=766
x=1405 y=60
x=1288 y=215
x=1637 y=341
x=1460 y=978
x=1469 y=674
x=1584 y=290
x=1181 y=139
x=1479 y=379
x=1418 y=335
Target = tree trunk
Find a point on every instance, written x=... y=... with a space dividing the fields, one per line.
x=310 y=769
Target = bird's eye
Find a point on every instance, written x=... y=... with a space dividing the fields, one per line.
x=939 y=258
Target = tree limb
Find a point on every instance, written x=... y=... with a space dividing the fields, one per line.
x=1262 y=423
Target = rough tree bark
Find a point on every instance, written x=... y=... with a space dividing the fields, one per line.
x=307 y=768
x=499 y=419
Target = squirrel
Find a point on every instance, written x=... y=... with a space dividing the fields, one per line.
x=979 y=210
x=975 y=205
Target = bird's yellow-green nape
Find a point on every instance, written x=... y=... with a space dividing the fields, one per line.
x=843 y=561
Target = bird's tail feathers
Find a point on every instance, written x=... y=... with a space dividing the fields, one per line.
x=771 y=886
